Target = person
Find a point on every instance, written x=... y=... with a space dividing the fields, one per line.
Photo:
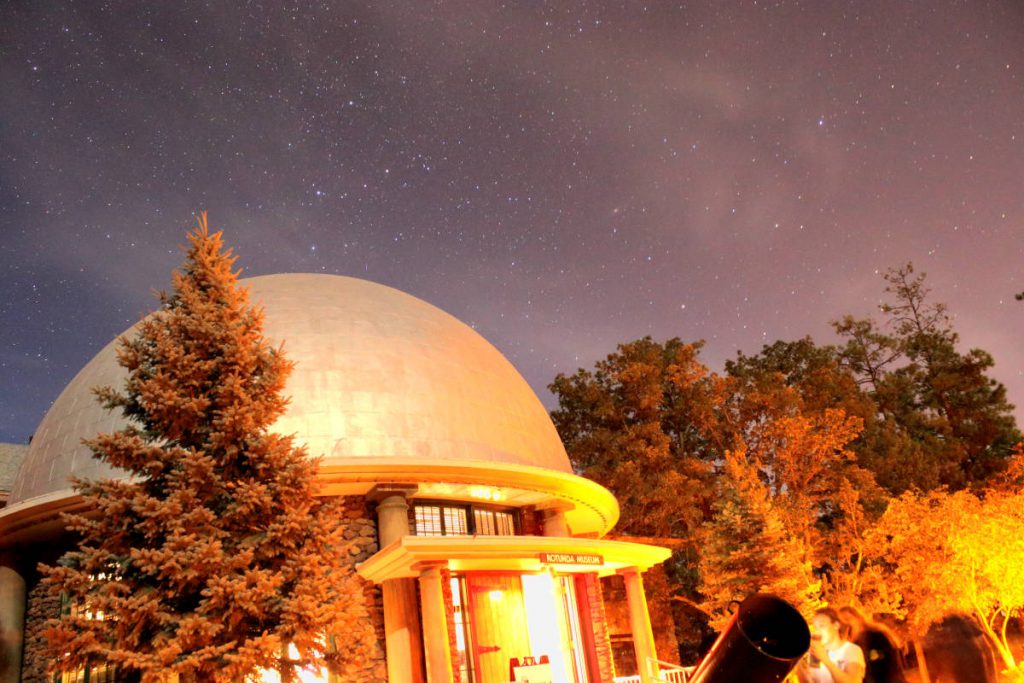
x=956 y=652
x=883 y=661
x=833 y=659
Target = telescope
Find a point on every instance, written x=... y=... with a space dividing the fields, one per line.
x=764 y=640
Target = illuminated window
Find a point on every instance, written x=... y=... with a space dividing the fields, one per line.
x=455 y=521
x=494 y=523
x=98 y=673
x=102 y=673
x=440 y=520
x=437 y=519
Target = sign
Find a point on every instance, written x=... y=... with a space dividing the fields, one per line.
x=571 y=558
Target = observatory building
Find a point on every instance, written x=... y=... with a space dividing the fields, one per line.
x=481 y=554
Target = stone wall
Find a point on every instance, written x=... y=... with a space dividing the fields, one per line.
x=11 y=455
x=34 y=662
x=362 y=638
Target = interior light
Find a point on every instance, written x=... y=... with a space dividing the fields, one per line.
x=485 y=493
x=303 y=675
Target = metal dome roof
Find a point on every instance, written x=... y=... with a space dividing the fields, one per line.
x=379 y=374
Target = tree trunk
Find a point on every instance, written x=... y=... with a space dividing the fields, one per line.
x=922 y=665
x=1009 y=650
x=1000 y=644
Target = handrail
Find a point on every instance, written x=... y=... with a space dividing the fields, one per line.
x=670 y=665
x=669 y=672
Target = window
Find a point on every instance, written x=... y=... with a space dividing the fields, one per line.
x=97 y=673
x=494 y=523
x=439 y=519
x=102 y=673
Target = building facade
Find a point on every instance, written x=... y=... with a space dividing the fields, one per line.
x=481 y=554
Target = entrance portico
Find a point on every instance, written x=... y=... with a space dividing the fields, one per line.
x=516 y=597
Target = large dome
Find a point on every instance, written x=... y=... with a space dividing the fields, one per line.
x=379 y=374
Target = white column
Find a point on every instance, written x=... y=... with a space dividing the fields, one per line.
x=554 y=520
x=640 y=624
x=435 y=627
x=392 y=519
x=555 y=524
x=403 y=643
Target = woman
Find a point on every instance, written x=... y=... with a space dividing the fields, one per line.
x=834 y=659
x=883 y=663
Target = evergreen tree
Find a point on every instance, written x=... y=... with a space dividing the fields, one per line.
x=215 y=554
x=946 y=422
x=749 y=549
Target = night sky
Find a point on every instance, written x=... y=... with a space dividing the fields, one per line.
x=562 y=176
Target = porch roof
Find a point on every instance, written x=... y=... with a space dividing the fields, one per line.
x=406 y=557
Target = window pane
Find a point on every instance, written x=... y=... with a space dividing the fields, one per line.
x=484 y=523
x=505 y=525
x=428 y=520
x=455 y=522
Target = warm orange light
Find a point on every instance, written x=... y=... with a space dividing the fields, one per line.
x=546 y=622
x=303 y=675
x=486 y=493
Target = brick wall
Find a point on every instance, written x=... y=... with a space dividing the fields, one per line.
x=530 y=522
x=599 y=627
x=449 y=613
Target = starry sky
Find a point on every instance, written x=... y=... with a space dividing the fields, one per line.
x=563 y=176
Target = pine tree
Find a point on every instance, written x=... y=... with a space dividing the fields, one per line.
x=215 y=554
x=748 y=548
x=943 y=421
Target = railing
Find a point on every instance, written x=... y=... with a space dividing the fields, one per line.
x=676 y=675
x=668 y=673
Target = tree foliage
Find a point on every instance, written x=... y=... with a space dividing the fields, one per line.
x=216 y=552
x=778 y=471
x=749 y=548
x=642 y=425
x=942 y=420
x=956 y=553
x=666 y=435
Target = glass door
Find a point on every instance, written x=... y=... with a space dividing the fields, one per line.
x=577 y=640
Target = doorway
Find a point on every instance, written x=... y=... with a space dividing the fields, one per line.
x=505 y=616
